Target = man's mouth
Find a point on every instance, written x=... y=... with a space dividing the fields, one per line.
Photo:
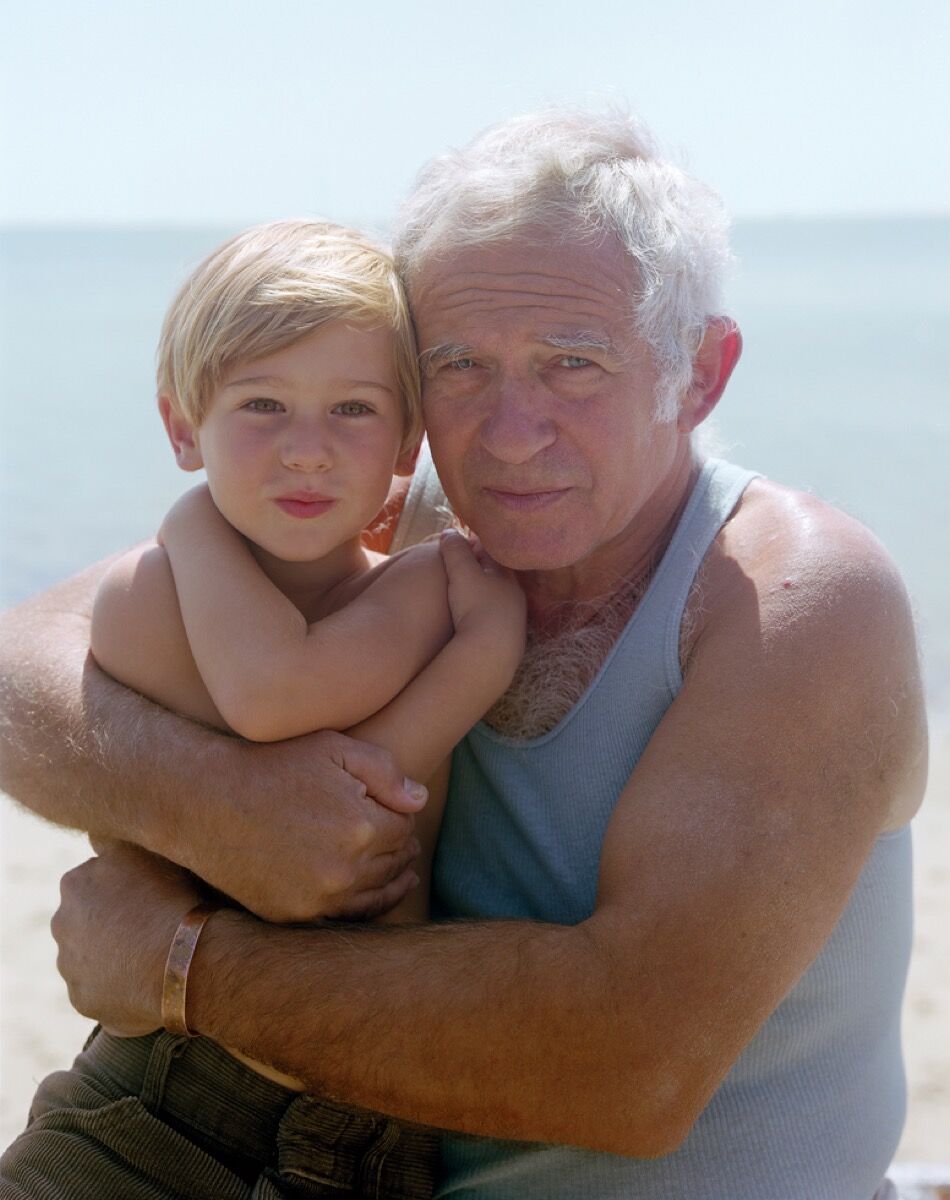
x=525 y=501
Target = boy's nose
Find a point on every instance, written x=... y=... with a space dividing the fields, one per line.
x=307 y=451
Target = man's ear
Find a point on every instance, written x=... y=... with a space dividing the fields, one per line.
x=181 y=433
x=714 y=362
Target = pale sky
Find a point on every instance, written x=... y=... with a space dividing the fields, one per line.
x=226 y=112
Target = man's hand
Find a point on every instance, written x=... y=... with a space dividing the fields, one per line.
x=322 y=826
x=319 y=826
x=117 y=916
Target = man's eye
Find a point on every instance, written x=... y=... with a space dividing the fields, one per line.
x=352 y=408
x=573 y=361
x=263 y=406
x=461 y=364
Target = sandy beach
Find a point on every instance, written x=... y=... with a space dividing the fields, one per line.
x=39 y=1032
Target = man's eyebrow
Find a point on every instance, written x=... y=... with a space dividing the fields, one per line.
x=580 y=339
x=444 y=352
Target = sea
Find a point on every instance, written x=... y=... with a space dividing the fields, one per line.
x=843 y=390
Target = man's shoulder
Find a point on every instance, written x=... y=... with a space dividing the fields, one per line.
x=801 y=605
x=782 y=538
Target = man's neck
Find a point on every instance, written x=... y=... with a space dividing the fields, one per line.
x=571 y=630
x=556 y=598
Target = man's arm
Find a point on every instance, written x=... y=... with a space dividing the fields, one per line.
x=83 y=751
x=797 y=738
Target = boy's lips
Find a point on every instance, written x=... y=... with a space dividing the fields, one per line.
x=304 y=504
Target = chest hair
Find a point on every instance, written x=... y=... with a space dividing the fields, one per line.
x=559 y=667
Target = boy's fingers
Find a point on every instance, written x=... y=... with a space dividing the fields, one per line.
x=458 y=554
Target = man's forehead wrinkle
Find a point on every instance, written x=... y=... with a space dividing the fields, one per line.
x=546 y=287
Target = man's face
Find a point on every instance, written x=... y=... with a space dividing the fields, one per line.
x=538 y=399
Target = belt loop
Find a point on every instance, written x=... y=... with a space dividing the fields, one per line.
x=165 y=1048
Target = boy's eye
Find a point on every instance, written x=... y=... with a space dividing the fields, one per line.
x=263 y=406
x=352 y=408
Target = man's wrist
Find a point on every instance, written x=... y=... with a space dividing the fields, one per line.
x=217 y=970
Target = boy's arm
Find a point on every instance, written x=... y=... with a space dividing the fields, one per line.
x=264 y=666
x=441 y=704
x=84 y=751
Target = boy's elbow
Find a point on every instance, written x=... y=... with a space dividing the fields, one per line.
x=251 y=718
x=258 y=712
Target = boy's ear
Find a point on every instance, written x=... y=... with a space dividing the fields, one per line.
x=714 y=362
x=406 y=462
x=181 y=433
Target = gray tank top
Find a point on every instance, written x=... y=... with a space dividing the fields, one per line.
x=813 y=1108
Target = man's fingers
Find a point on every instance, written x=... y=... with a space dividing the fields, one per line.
x=376 y=769
x=384 y=868
x=375 y=901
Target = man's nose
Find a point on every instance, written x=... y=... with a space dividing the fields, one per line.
x=517 y=425
x=307 y=447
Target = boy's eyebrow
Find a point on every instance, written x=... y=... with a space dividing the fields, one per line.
x=269 y=380
x=277 y=381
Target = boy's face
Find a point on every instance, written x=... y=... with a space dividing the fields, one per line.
x=300 y=447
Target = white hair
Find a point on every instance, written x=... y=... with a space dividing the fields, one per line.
x=584 y=174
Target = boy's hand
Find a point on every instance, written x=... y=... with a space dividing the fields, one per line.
x=485 y=599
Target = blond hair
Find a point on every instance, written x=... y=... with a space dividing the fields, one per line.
x=267 y=288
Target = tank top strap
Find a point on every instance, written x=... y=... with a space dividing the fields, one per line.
x=659 y=615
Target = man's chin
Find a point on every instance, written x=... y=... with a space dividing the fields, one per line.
x=525 y=553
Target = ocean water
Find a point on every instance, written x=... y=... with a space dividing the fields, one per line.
x=843 y=389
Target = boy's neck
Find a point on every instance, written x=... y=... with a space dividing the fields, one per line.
x=311 y=585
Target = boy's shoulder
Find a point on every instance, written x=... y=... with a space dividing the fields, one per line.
x=415 y=575
x=138 y=636
x=139 y=582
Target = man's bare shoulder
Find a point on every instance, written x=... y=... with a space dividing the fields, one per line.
x=796 y=553
x=797 y=590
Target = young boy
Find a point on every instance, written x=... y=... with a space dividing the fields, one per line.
x=287 y=370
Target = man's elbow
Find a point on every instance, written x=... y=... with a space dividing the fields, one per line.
x=644 y=1129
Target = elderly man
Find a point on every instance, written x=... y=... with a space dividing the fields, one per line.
x=680 y=841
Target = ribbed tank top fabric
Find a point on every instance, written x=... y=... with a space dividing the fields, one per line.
x=813 y=1108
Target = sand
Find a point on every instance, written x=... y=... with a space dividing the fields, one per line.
x=39 y=1032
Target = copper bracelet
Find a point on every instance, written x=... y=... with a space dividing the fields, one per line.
x=180 y=954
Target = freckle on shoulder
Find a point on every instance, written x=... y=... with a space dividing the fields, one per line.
x=788 y=529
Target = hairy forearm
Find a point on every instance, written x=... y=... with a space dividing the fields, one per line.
x=452 y=1038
